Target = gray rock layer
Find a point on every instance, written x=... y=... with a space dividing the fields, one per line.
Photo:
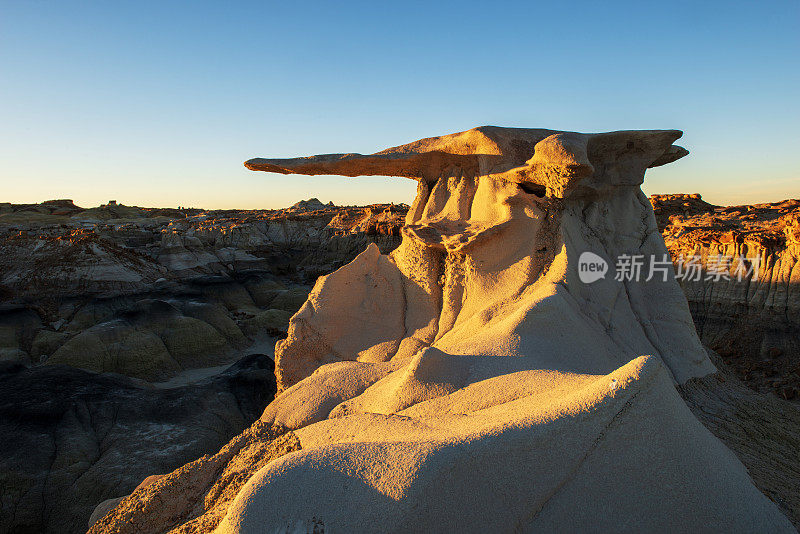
x=72 y=439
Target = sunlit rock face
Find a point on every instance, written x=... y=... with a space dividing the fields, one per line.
x=470 y=381
x=500 y=380
x=491 y=244
x=747 y=311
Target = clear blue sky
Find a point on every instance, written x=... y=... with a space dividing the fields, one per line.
x=159 y=103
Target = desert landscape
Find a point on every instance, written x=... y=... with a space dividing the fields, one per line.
x=138 y=347
x=134 y=340
x=384 y=267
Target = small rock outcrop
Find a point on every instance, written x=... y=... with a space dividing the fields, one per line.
x=475 y=379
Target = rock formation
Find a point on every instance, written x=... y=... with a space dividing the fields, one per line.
x=752 y=317
x=166 y=296
x=152 y=292
x=470 y=381
x=71 y=438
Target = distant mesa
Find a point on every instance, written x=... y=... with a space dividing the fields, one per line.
x=312 y=204
x=61 y=203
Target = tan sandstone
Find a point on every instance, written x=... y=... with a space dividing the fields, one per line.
x=470 y=381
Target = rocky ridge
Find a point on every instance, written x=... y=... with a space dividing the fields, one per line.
x=747 y=311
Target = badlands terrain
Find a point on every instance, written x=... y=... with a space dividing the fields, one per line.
x=136 y=340
x=753 y=324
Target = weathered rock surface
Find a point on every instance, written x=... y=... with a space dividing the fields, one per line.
x=197 y=496
x=153 y=340
x=752 y=319
x=72 y=439
x=152 y=292
x=470 y=381
x=763 y=431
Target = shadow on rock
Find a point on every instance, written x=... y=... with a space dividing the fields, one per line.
x=72 y=439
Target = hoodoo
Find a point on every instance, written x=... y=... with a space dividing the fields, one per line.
x=474 y=379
